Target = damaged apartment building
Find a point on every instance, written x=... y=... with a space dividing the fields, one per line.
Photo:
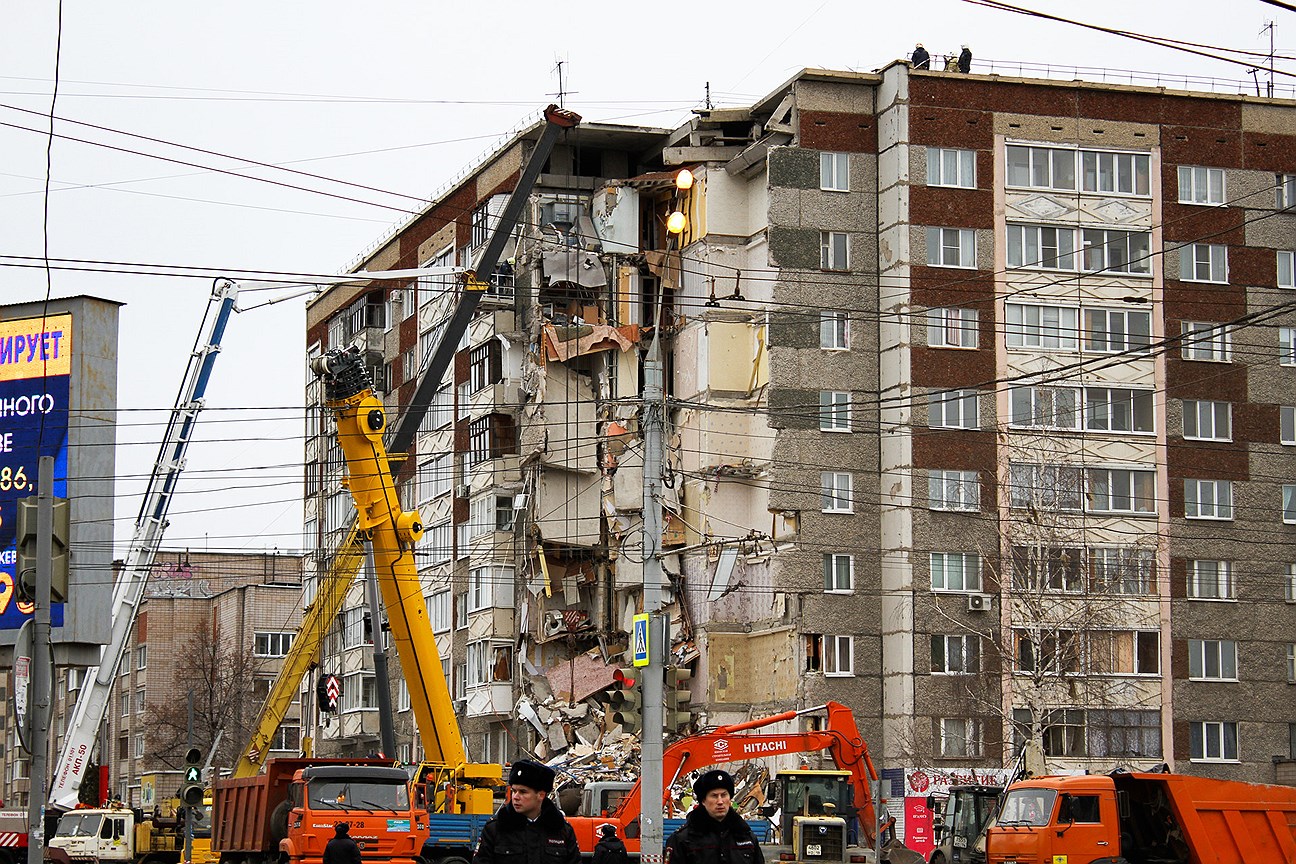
x=973 y=417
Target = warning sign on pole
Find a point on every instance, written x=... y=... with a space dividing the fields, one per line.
x=22 y=675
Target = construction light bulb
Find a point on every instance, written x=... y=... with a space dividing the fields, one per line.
x=675 y=222
x=684 y=179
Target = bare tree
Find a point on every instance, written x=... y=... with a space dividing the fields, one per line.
x=220 y=679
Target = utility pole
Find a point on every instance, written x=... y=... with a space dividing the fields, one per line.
x=650 y=777
x=42 y=674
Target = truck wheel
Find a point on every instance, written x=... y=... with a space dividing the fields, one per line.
x=453 y=859
x=279 y=822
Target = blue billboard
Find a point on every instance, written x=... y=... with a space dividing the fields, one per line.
x=35 y=375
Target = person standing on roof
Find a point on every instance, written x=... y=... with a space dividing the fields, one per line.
x=713 y=832
x=920 y=59
x=529 y=828
x=341 y=849
x=965 y=60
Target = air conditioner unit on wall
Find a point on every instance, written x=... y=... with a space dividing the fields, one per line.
x=980 y=602
x=461 y=490
x=554 y=623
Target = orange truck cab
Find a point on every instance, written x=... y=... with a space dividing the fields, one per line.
x=1143 y=818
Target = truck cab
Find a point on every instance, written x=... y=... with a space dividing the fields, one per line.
x=86 y=836
x=375 y=802
x=958 y=828
x=1042 y=818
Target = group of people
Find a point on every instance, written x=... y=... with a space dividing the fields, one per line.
x=530 y=829
x=962 y=63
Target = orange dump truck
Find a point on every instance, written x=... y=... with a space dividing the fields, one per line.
x=288 y=813
x=1143 y=819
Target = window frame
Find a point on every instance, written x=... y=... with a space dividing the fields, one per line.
x=954 y=409
x=969 y=736
x=834 y=245
x=1044 y=407
x=1285 y=268
x=1132 y=343
x=835 y=411
x=1193 y=177
x=1287 y=346
x=966 y=256
x=1285 y=186
x=1223 y=576
x=1037 y=335
x=832 y=325
x=1289 y=503
x=831 y=492
x=958 y=321
x=1205 y=342
x=964 y=164
x=1129 y=490
x=969 y=661
x=1138 y=409
x=834 y=171
x=1224 y=652
x=1215 y=262
x=1220 y=506
x=964 y=560
x=938 y=478
x=1199 y=744
x=836 y=642
x=832 y=572
x=1287 y=424
x=1201 y=410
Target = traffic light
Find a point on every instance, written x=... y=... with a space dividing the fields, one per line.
x=26 y=537
x=678 y=697
x=191 y=785
x=626 y=704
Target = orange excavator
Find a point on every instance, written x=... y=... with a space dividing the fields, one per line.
x=817 y=806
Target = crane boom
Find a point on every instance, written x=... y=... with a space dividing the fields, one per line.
x=128 y=591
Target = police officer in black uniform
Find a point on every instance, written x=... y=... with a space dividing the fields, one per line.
x=529 y=828
x=713 y=832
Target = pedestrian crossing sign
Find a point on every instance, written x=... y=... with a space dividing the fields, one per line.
x=639 y=640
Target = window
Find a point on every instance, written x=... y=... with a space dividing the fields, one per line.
x=481 y=224
x=834 y=331
x=490 y=587
x=951 y=247
x=1201 y=185
x=1121 y=490
x=1041 y=167
x=949 y=167
x=954 y=490
x=1287 y=346
x=432 y=286
x=1123 y=570
x=836 y=656
x=1211 y=741
x=139 y=700
x=1118 y=733
x=1044 y=327
x=489 y=663
x=1289 y=503
x=1210 y=580
x=834 y=172
x=141 y=656
x=439 y=611
x=357 y=628
x=1286 y=184
x=75 y=678
x=1203 y=262
x=1046 y=488
x=834 y=411
x=1289 y=584
x=835 y=492
x=359 y=692
x=956 y=571
x=1064 y=732
x=1124 y=173
x=1049 y=651
x=834 y=250
x=273 y=644
x=1203 y=341
x=1114 y=409
x=485 y=365
x=955 y=655
x=960 y=736
x=1110 y=251
x=1043 y=246
x=1047 y=568
x=490 y=437
x=125 y=667
x=139 y=746
x=953 y=409
x=1286 y=269
x=949 y=327
x=1291 y=662
x=1115 y=330
x=287 y=737
x=438 y=543
x=1124 y=652
x=124 y=703
x=1208 y=499
x=1212 y=659
x=1044 y=407
x=1207 y=421
x=838 y=572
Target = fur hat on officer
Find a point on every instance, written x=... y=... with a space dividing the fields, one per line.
x=532 y=775
x=714 y=779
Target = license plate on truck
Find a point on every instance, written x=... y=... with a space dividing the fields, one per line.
x=814 y=849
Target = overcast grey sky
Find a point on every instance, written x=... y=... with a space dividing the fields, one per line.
x=397 y=96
